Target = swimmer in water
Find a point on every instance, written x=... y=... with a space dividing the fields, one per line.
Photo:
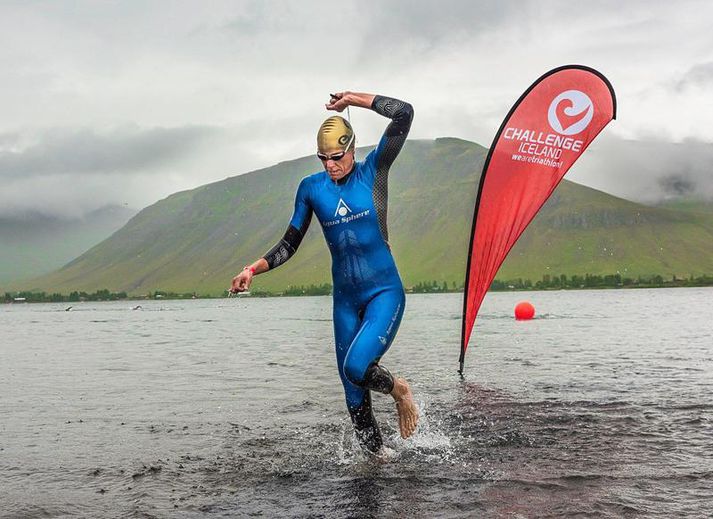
x=349 y=199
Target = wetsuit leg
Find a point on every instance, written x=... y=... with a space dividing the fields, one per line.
x=363 y=335
x=382 y=317
x=347 y=320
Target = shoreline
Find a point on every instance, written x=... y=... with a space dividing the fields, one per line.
x=25 y=297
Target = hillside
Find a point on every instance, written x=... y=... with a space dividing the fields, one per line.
x=689 y=204
x=196 y=240
x=32 y=245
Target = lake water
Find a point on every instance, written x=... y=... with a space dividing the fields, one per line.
x=602 y=406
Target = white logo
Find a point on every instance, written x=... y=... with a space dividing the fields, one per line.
x=342 y=208
x=382 y=340
x=570 y=112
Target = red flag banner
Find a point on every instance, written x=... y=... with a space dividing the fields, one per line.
x=544 y=133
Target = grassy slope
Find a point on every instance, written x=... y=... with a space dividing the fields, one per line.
x=689 y=204
x=583 y=230
x=37 y=245
x=196 y=240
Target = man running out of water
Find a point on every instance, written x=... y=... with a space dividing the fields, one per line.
x=349 y=199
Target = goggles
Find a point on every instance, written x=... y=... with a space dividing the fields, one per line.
x=336 y=156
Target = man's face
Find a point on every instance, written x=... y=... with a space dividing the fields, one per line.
x=338 y=169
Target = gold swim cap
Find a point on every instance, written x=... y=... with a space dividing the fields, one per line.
x=335 y=134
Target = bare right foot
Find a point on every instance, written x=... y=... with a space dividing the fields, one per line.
x=405 y=406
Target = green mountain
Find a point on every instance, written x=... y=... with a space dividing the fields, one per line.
x=197 y=240
x=689 y=204
x=33 y=244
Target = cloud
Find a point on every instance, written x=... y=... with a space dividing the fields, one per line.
x=69 y=172
x=700 y=76
x=430 y=24
x=677 y=185
x=9 y=141
x=647 y=170
x=141 y=112
x=82 y=151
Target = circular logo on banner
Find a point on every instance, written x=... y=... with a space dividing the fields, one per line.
x=570 y=112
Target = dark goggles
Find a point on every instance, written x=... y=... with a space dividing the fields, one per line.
x=334 y=156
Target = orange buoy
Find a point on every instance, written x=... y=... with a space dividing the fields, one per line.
x=524 y=311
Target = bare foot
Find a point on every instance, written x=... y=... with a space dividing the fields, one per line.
x=405 y=406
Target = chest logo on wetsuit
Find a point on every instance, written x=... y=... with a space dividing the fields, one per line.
x=344 y=214
x=342 y=208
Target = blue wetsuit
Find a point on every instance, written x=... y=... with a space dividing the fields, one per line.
x=368 y=294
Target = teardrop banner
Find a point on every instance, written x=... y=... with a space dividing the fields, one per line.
x=544 y=133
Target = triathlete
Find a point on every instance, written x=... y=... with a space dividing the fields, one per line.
x=349 y=199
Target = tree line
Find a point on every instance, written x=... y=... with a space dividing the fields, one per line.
x=574 y=282
x=44 y=297
x=548 y=282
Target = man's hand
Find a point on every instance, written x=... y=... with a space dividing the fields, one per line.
x=242 y=281
x=340 y=100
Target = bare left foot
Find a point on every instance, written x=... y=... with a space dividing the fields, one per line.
x=405 y=406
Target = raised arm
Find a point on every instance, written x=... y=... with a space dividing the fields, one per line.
x=381 y=159
x=283 y=249
x=400 y=113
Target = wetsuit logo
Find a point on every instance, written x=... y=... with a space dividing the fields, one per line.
x=344 y=214
x=570 y=112
x=342 y=208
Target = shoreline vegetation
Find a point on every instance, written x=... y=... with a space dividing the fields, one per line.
x=548 y=282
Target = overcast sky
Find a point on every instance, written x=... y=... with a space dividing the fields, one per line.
x=127 y=102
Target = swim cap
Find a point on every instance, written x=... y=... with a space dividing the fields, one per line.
x=335 y=134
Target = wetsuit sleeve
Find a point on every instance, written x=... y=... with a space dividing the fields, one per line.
x=401 y=115
x=379 y=161
x=288 y=245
